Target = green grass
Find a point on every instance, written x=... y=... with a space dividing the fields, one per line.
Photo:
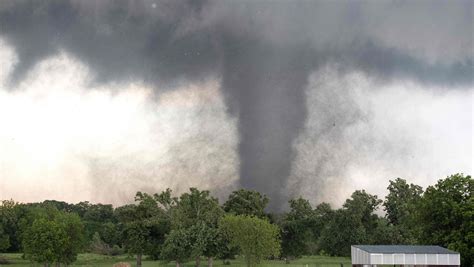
x=89 y=260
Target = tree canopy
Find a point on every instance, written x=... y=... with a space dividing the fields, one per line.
x=246 y=202
x=446 y=214
x=193 y=225
x=256 y=238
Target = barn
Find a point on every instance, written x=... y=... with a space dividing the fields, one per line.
x=372 y=255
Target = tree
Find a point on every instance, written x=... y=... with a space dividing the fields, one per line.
x=110 y=234
x=72 y=225
x=198 y=211
x=401 y=206
x=296 y=228
x=177 y=246
x=10 y=214
x=256 y=238
x=197 y=240
x=43 y=242
x=401 y=200
x=246 y=202
x=196 y=206
x=205 y=241
x=344 y=230
x=361 y=206
x=324 y=214
x=136 y=235
x=355 y=223
x=446 y=213
x=386 y=233
x=54 y=240
x=144 y=226
x=4 y=239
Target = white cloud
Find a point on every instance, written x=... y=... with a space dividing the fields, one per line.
x=62 y=138
x=360 y=134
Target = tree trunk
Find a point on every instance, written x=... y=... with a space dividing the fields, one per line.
x=198 y=261
x=178 y=264
x=209 y=262
x=139 y=260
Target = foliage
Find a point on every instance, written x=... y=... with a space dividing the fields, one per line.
x=160 y=225
x=355 y=223
x=43 y=241
x=136 y=234
x=447 y=215
x=54 y=241
x=177 y=246
x=144 y=226
x=246 y=202
x=401 y=205
x=196 y=214
x=361 y=207
x=296 y=228
x=74 y=229
x=10 y=213
x=4 y=239
x=344 y=230
x=98 y=246
x=256 y=238
x=387 y=234
x=196 y=207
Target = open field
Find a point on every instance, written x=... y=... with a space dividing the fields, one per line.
x=102 y=261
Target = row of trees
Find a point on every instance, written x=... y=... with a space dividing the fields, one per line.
x=195 y=226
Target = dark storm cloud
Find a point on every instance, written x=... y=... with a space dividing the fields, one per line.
x=263 y=51
x=117 y=39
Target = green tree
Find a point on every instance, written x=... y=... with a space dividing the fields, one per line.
x=136 y=235
x=362 y=205
x=98 y=246
x=324 y=214
x=205 y=241
x=296 y=228
x=387 y=234
x=195 y=207
x=177 y=246
x=256 y=238
x=446 y=214
x=110 y=234
x=43 y=242
x=4 y=240
x=401 y=206
x=246 y=202
x=355 y=223
x=56 y=239
x=144 y=226
x=10 y=215
x=344 y=230
x=192 y=242
x=72 y=225
x=199 y=211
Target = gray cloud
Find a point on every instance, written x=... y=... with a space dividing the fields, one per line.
x=263 y=52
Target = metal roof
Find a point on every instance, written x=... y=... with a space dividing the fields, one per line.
x=403 y=249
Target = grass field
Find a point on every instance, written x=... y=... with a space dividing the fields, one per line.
x=86 y=260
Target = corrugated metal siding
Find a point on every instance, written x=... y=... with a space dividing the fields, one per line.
x=361 y=257
x=376 y=259
x=410 y=259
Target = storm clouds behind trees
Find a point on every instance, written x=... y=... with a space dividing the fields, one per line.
x=270 y=61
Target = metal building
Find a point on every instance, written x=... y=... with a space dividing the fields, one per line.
x=367 y=255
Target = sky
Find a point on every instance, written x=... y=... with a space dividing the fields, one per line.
x=100 y=99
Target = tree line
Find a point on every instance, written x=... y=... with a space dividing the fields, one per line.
x=195 y=226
